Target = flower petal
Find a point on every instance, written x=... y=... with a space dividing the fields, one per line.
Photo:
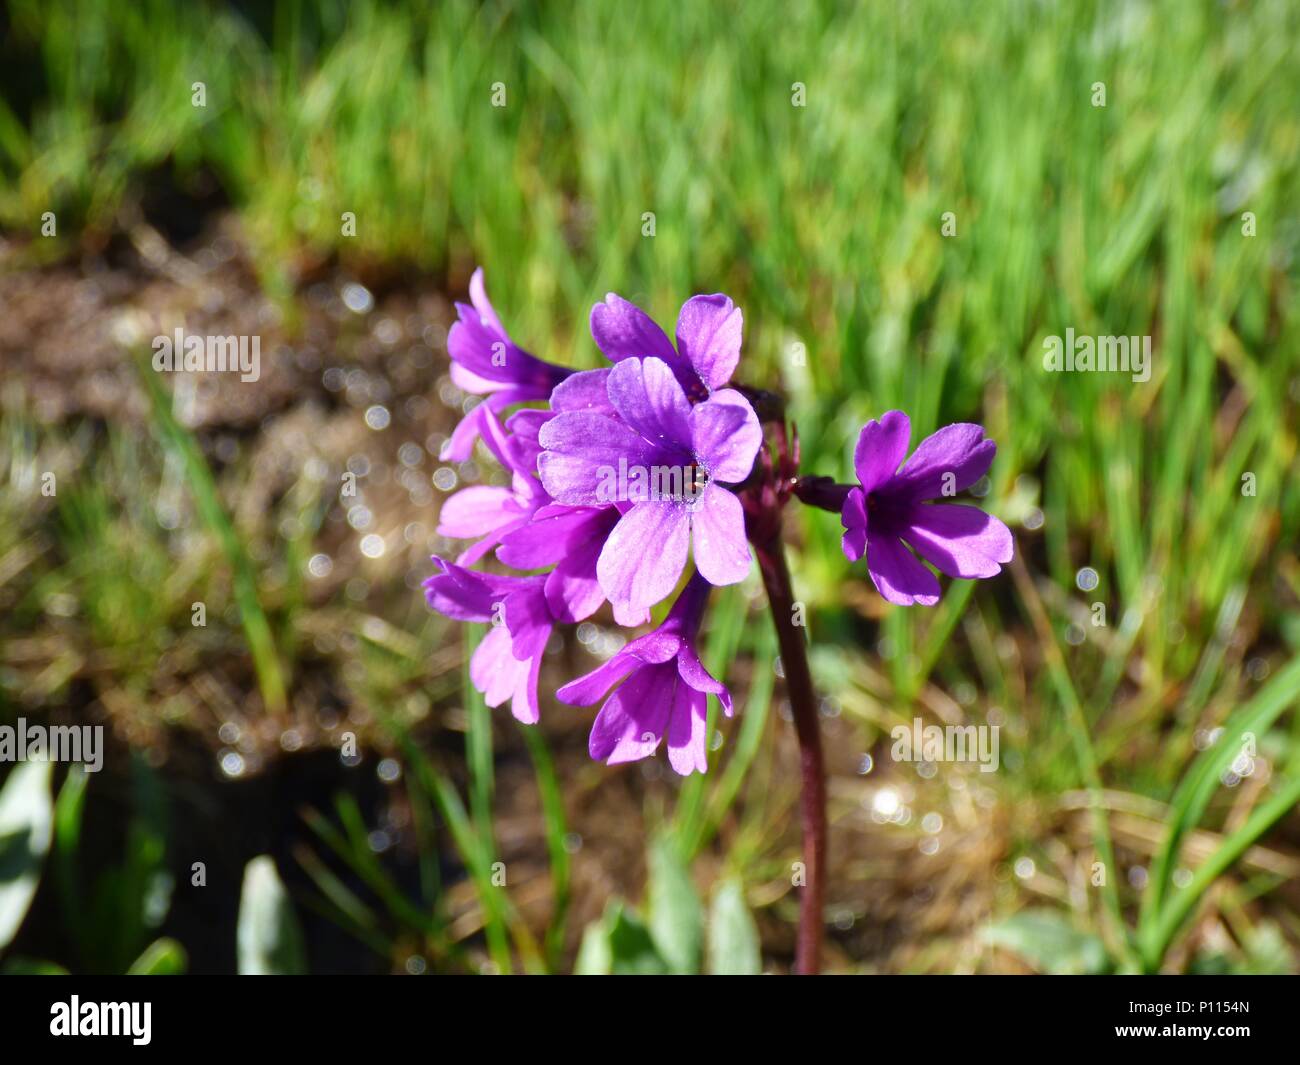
x=958 y=540
x=553 y=535
x=573 y=591
x=726 y=436
x=647 y=397
x=709 y=332
x=591 y=687
x=632 y=721
x=493 y=669
x=460 y=445
x=645 y=554
x=622 y=330
x=529 y=621
x=691 y=670
x=718 y=537
x=958 y=450
x=882 y=445
x=476 y=511
x=853 y=515
x=585 y=390
x=583 y=450
x=897 y=574
x=479 y=298
x=687 y=725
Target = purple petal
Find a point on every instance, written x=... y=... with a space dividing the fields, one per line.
x=456 y=593
x=897 y=574
x=691 y=670
x=524 y=447
x=476 y=511
x=687 y=725
x=882 y=445
x=632 y=721
x=582 y=449
x=591 y=687
x=623 y=331
x=708 y=337
x=648 y=398
x=573 y=590
x=959 y=450
x=551 y=536
x=628 y=616
x=853 y=515
x=726 y=436
x=718 y=537
x=493 y=669
x=479 y=343
x=529 y=621
x=586 y=390
x=960 y=541
x=645 y=554
x=479 y=298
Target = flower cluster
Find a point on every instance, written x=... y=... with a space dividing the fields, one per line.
x=629 y=471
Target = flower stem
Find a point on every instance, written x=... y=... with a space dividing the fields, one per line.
x=803 y=703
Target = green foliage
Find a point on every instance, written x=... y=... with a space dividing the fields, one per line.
x=670 y=941
x=1047 y=940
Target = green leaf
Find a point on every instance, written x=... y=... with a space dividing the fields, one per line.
x=1048 y=941
x=32 y=967
x=619 y=944
x=269 y=940
x=162 y=957
x=733 y=936
x=676 y=916
x=26 y=821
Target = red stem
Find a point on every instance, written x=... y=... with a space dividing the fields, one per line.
x=803 y=703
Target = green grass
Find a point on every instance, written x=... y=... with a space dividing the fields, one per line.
x=824 y=223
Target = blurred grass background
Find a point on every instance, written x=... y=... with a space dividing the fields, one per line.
x=824 y=222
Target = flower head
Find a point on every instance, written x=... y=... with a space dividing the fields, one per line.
x=485 y=361
x=887 y=510
x=507 y=662
x=489 y=513
x=663 y=692
x=651 y=426
x=708 y=339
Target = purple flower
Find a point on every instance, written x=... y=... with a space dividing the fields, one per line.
x=485 y=361
x=570 y=539
x=887 y=509
x=708 y=339
x=664 y=692
x=650 y=427
x=506 y=664
x=491 y=512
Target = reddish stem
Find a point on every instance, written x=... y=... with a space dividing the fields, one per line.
x=803 y=703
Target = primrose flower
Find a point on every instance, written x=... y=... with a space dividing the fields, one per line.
x=663 y=692
x=506 y=664
x=570 y=539
x=485 y=361
x=492 y=512
x=651 y=428
x=887 y=511
x=708 y=339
